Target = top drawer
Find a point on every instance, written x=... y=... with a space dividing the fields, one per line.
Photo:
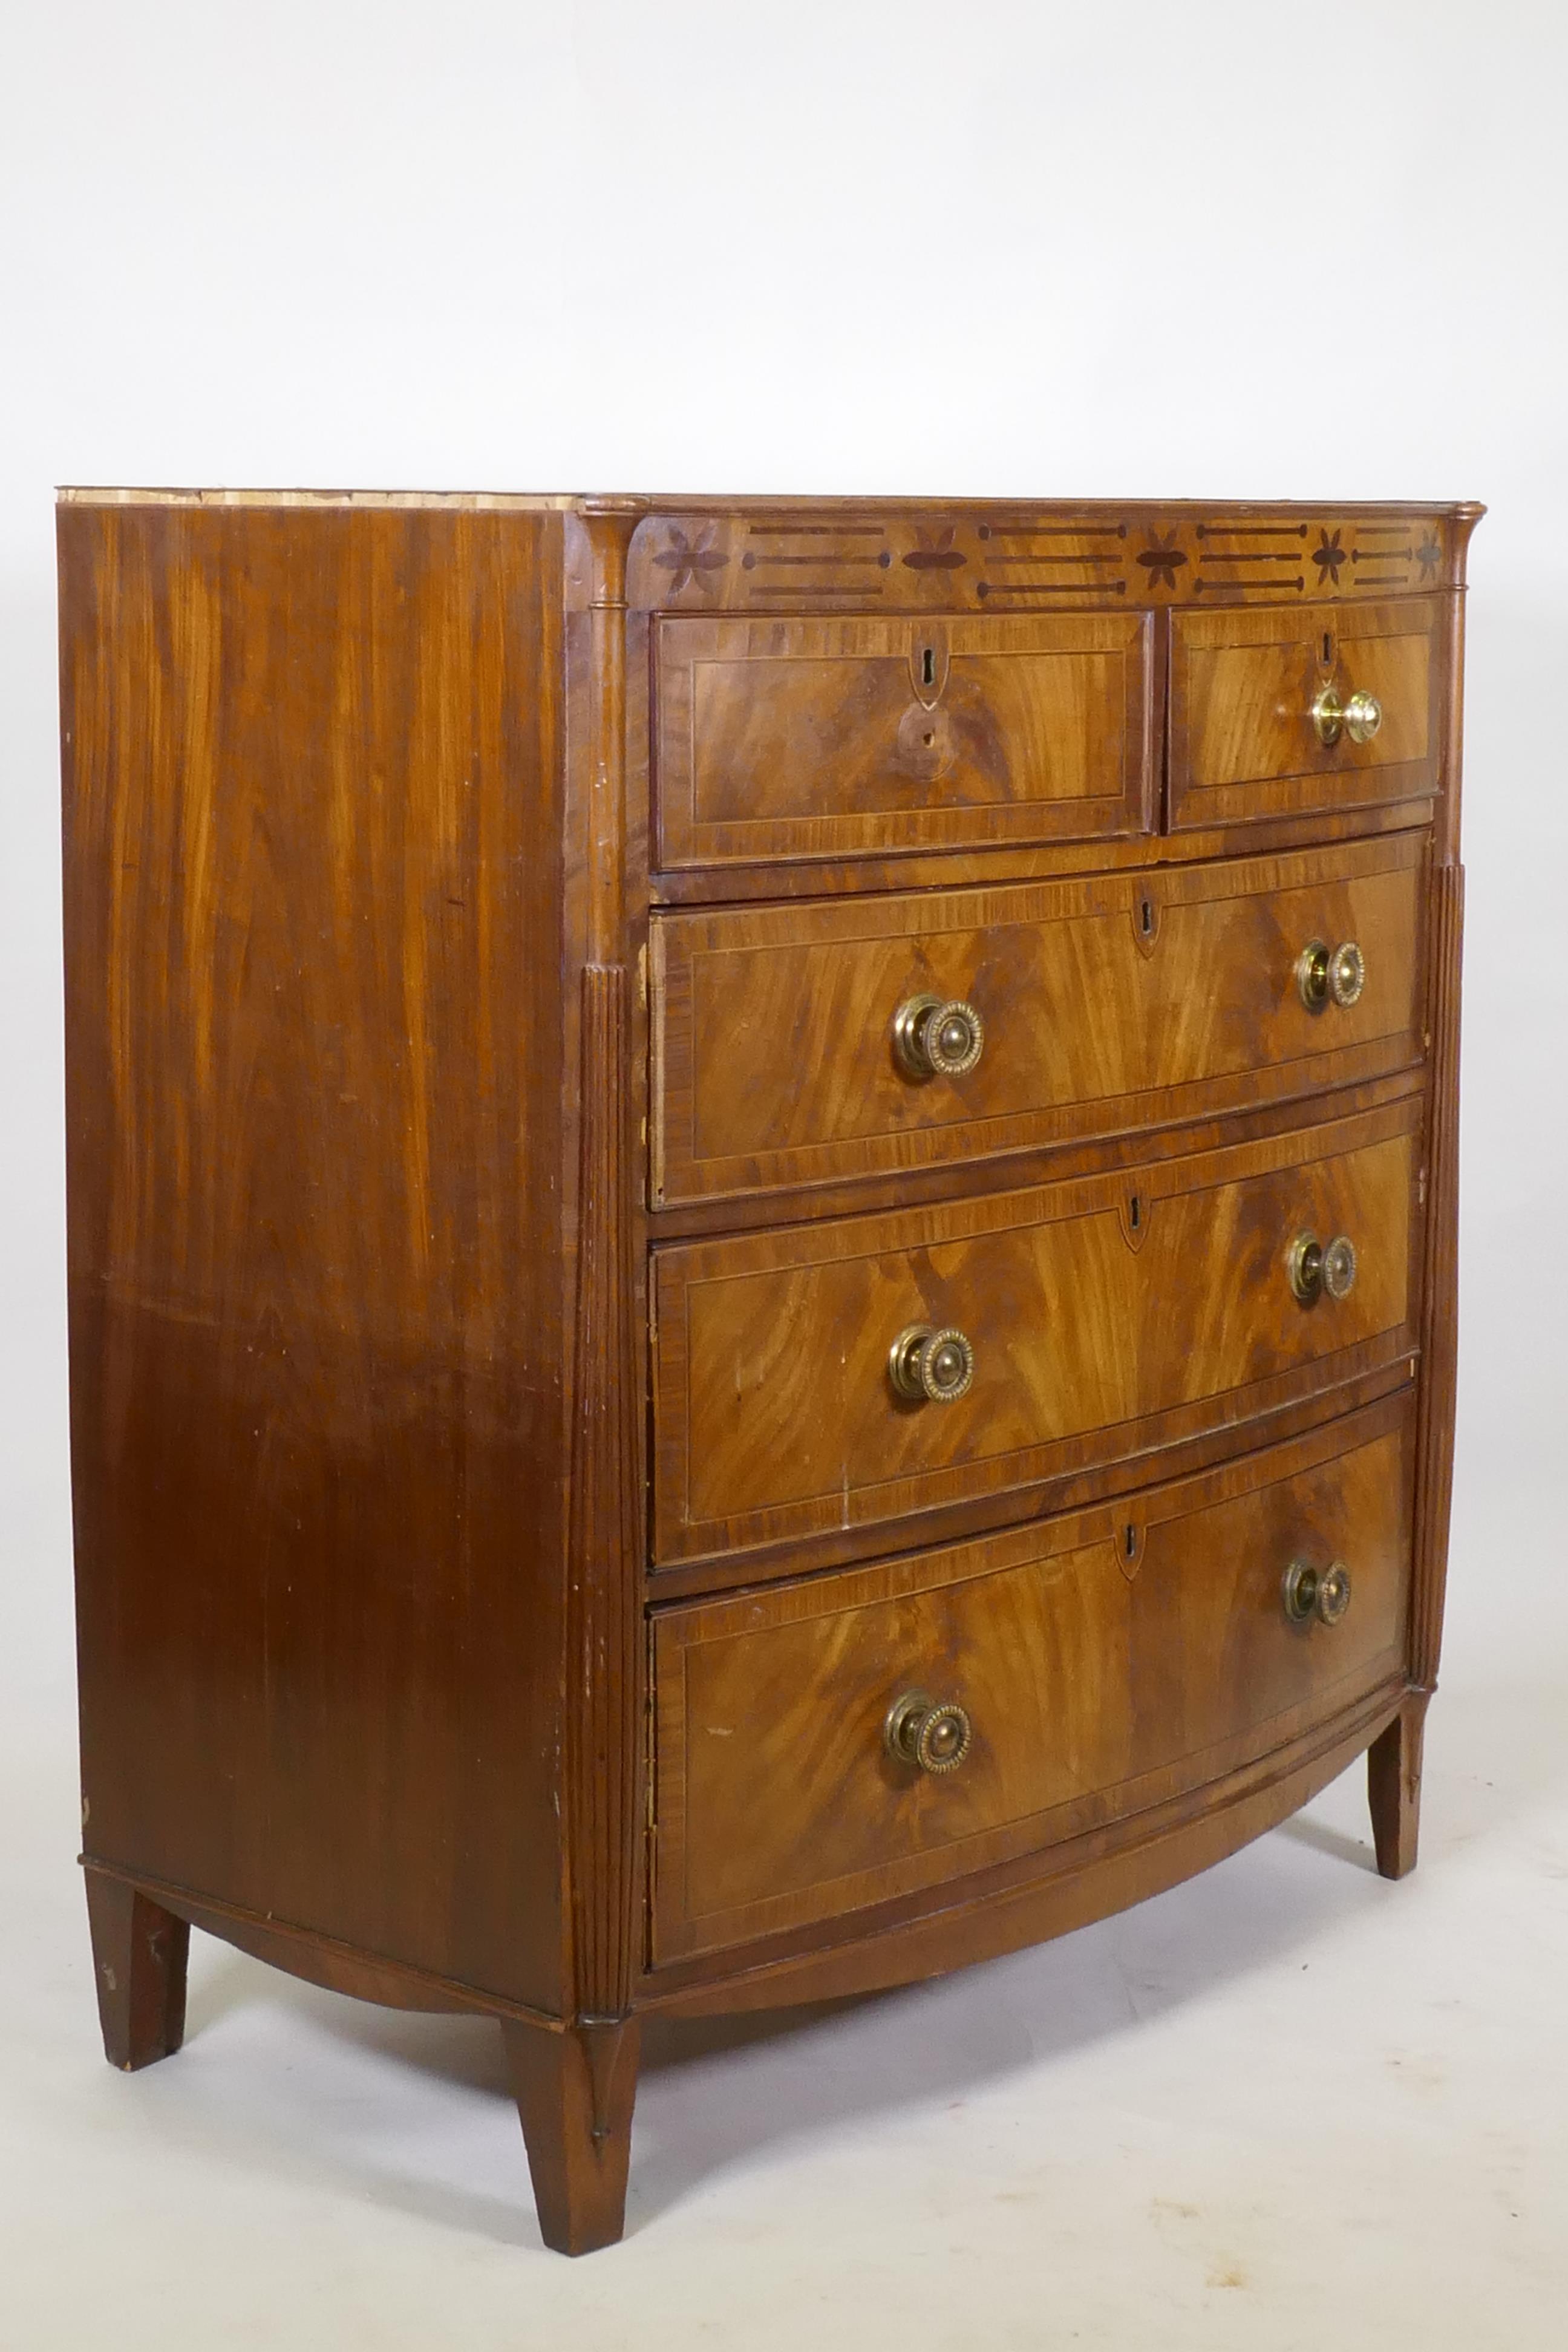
x=846 y=738
x=1245 y=742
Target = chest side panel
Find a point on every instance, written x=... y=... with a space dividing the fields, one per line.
x=314 y=1029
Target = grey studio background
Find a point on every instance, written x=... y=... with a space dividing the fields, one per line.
x=1217 y=251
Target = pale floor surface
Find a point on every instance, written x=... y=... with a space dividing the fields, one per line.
x=1285 y=2106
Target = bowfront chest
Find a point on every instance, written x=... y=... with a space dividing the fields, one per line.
x=763 y=1207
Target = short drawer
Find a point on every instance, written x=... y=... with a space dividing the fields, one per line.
x=1101 y=1317
x=842 y=738
x=1098 y=1007
x=1245 y=682
x=1103 y=1663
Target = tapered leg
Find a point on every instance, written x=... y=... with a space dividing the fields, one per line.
x=139 y=1955
x=1394 y=1788
x=574 y=2092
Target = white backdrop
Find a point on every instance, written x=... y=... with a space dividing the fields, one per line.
x=1195 y=250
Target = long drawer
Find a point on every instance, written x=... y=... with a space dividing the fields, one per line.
x=852 y=736
x=1101 y=1316
x=1102 y=1664
x=1097 y=1007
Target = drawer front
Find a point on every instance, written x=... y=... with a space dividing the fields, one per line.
x=842 y=738
x=1244 y=683
x=1105 y=1663
x=1105 y=1005
x=1104 y=1317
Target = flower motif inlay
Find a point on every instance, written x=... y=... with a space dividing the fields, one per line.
x=687 y=559
x=1328 y=555
x=933 y=550
x=1162 y=558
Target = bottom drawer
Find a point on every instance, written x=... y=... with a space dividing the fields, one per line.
x=1102 y=1663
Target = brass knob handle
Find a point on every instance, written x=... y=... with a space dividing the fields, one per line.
x=1321 y=1592
x=938 y=1038
x=1358 y=716
x=1316 y=1267
x=936 y=1365
x=1331 y=975
x=933 y=1735
x=1347 y=974
x=1333 y=1593
x=1339 y=1267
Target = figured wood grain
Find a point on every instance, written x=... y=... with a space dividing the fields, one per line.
x=845 y=736
x=773 y=1414
x=361 y=794
x=1028 y=1165
x=1127 y=1002
x=1242 y=740
x=999 y=863
x=312 y=837
x=1081 y=1476
x=1106 y=1663
x=1045 y=1894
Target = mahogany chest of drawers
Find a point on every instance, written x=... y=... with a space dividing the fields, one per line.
x=762 y=1233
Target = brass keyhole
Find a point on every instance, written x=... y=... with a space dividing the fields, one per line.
x=1146 y=917
x=928 y=669
x=1130 y=1540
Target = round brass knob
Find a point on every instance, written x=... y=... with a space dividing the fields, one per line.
x=938 y=1038
x=1299 y=1592
x=1312 y=974
x=1358 y=716
x=1346 y=974
x=1339 y=1267
x=936 y=1365
x=1305 y=1261
x=1321 y=1592
x=1326 y=974
x=1363 y=716
x=1333 y=1593
x=1316 y=1267
x=933 y=1736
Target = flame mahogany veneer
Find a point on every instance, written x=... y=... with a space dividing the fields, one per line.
x=497 y=1181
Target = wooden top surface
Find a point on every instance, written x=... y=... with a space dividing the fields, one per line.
x=687 y=502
